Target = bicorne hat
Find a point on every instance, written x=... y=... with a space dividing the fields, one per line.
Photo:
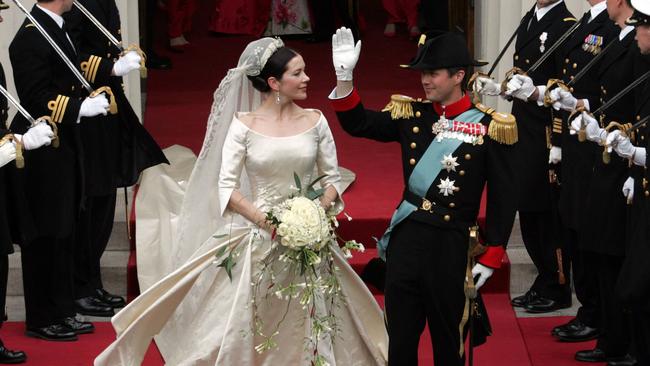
x=441 y=52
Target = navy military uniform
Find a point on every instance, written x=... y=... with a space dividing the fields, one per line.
x=427 y=253
x=51 y=191
x=578 y=159
x=606 y=209
x=536 y=218
x=116 y=149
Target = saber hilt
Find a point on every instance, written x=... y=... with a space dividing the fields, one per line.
x=111 y=38
x=28 y=117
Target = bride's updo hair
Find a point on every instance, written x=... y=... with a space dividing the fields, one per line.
x=274 y=67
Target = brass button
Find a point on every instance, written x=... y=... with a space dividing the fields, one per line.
x=72 y=88
x=516 y=57
x=638 y=118
x=647 y=193
x=575 y=66
x=412 y=161
x=468 y=156
x=566 y=60
x=447 y=217
x=527 y=61
x=564 y=71
x=418 y=114
x=461 y=173
x=452 y=205
x=413 y=145
x=642 y=137
x=571 y=78
x=416 y=129
x=119 y=31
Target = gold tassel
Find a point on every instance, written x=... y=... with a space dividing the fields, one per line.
x=503 y=128
x=399 y=107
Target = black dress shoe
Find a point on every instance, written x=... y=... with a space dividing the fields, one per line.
x=78 y=327
x=93 y=306
x=54 y=332
x=579 y=333
x=626 y=361
x=109 y=299
x=571 y=325
x=8 y=356
x=591 y=355
x=544 y=305
x=523 y=300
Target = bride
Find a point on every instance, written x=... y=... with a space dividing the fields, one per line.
x=208 y=313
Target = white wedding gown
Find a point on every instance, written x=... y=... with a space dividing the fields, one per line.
x=201 y=317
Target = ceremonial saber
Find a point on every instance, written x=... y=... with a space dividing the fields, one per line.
x=544 y=57
x=68 y=63
x=557 y=83
x=112 y=39
x=32 y=121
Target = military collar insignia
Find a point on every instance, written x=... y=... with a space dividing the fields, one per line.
x=455 y=108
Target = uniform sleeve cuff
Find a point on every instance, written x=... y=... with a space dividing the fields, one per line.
x=345 y=103
x=492 y=256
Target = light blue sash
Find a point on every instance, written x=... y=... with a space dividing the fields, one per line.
x=424 y=174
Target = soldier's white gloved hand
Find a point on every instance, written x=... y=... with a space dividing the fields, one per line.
x=563 y=99
x=594 y=132
x=7 y=153
x=94 y=106
x=486 y=86
x=555 y=155
x=37 y=136
x=520 y=87
x=628 y=189
x=127 y=63
x=483 y=272
x=622 y=145
x=345 y=53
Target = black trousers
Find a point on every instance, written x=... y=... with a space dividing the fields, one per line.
x=537 y=232
x=47 y=279
x=4 y=275
x=584 y=267
x=615 y=328
x=641 y=334
x=425 y=277
x=93 y=233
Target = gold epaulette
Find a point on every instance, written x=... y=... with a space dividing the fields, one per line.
x=570 y=19
x=400 y=106
x=503 y=127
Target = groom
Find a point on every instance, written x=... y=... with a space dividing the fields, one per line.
x=450 y=150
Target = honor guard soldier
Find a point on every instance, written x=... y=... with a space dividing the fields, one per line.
x=450 y=149
x=538 y=31
x=116 y=149
x=605 y=210
x=632 y=143
x=52 y=191
x=595 y=32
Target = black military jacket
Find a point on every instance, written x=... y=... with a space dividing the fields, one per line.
x=606 y=206
x=490 y=162
x=578 y=158
x=3 y=101
x=532 y=151
x=5 y=232
x=119 y=141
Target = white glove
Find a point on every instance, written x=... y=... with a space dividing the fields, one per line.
x=483 y=272
x=555 y=155
x=576 y=124
x=37 y=136
x=624 y=148
x=127 y=63
x=594 y=132
x=7 y=153
x=563 y=99
x=486 y=86
x=520 y=87
x=345 y=53
x=94 y=106
x=628 y=189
